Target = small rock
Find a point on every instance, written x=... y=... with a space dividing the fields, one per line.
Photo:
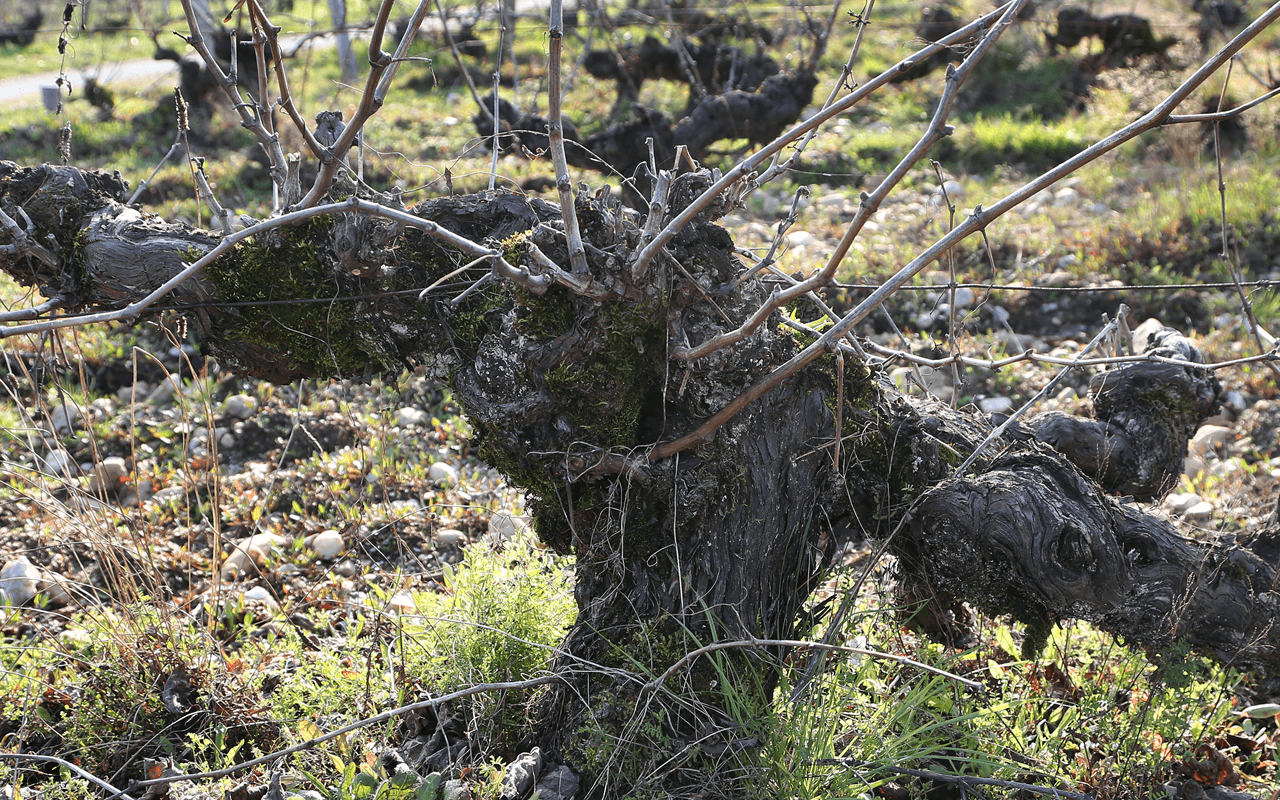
x=450 y=537
x=58 y=463
x=455 y=789
x=770 y=205
x=103 y=408
x=109 y=476
x=1066 y=197
x=240 y=406
x=135 y=393
x=521 y=775
x=261 y=594
x=1200 y=512
x=409 y=416
x=443 y=474
x=995 y=405
x=327 y=544
x=558 y=784
x=20 y=581
x=1208 y=438
x=1067 y=395
x=1056 y=279
x=168 y=386
x=800 y=239
x=1142 y=334
x=833 y=200
x=227 y=440
x=964 y=297
x=1069 y=260
x=250 y=553
x=402 y=603
x=171 y=493
x=1179 y=502
x=63 y=417
x=55 y=589
x=345 y=569
x=504 y=527
x=1193 y=466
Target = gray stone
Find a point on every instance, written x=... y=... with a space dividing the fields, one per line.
x=995 y=405
x=109 y=476
x=558 y=784
x=1200 y=512
x=1178 y=503
x=58 y=464
x=168 y=386
x=128 y=394
x=240 y=406
x=63 y=417
x=521 y=775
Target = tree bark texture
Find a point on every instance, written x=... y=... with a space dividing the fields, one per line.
x=566 y=393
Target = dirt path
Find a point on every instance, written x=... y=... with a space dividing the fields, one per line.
x=24 y=90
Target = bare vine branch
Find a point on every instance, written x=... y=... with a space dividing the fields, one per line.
x=977 y=220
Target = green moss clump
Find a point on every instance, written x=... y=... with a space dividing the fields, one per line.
x=604 y=397
x=320 y=337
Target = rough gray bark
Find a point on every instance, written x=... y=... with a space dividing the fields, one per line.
x=566 y=394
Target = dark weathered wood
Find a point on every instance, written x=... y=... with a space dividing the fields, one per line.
x=567 y=393
x=1143 y=416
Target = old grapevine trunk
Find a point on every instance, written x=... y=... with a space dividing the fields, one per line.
x=567 y=390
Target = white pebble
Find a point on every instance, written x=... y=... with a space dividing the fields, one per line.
x=262 y=595
x=251 y=552
x=1179 y=502
x=327 y=544
x=450 y=537
x=409 y=416
x=20 y=581
x=443 y=474
x=1207 y=439
x=1066 y=197
x=503 y=526
x=171 y=493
